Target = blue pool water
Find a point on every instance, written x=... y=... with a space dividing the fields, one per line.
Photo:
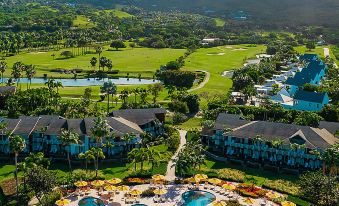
x=197 y=198
x=91 y=201
x=89 y=81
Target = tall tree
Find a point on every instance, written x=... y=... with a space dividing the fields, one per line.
x=3 y=68
x=67 y=138
x=155 y=89
x=94 y=62
x=30 y=73
x=99 y=130
x=16 y=71
x=16 y=144
x=109 y=88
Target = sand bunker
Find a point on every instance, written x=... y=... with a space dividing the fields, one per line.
x=228 y=47
x=240 y=49
x=37 y=52
x=215 y=54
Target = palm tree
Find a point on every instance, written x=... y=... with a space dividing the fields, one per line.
x=16 y=71
x=3 y=126
x=110 y=89
x=94 y=61
x=99 y=50
x=102 y=63
x=30 y=73
x=58 y=85
x=155 y=157
x=99 y=130
x=144 y=155
x=135 y=91
x=143 y=95
x=67 y=138
x=127 y=138
x=134 y=157
x=124 y=95
x=3 y=67
x=87 y=156
x=16 y=144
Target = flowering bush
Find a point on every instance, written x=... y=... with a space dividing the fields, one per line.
x=135 y=180
x=248 y=190
x=231 y=174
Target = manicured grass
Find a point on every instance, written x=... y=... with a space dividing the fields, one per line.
x=219 y=22
x=192 y=123
x=6 y=171
x=118 y=13
x=83 y=22
x=138 y=60
x=218 y=59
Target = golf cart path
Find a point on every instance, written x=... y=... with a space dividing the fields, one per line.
x=170 y=174
x=202 y=84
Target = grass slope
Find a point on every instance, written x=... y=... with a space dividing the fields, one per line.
x=83 y=22
x=218 y=59
x=139 y=60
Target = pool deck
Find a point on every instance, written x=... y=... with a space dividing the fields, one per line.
x=173 y=197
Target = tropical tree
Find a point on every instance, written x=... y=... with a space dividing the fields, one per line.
x=143 y=95
x=330 y=158
x=102 y=62
x=118 y=44
x=110 y=89
x=99 y=50
x=30 y=73
x=88 y=156
x=3 y=68
x=94 y=61
x=16 y=144
x=155 y=89
x=127 y=138
x=3 y=126
x=99 y=130
x=135 y=91
x=124 y=96
x=16 y=71
x=133 y=156
x=67 y=138
x=155 y=157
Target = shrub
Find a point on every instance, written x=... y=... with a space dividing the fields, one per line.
x=173 y=141
x=179 y=118
x=282 y=186
x=134 y=181
x=51 y=197
x=248 y=190
x=183 y=79
x=3 y=198
x=148 y=193
x=178 y=106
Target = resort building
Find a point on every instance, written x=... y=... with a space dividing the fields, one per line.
x=306 y=101
x=269 y=144
x=42 y=133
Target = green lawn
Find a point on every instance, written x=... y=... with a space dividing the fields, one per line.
x=117 y=12
x=219 y=22
x=218 y=59
x=139 y=60
x=192 y=123
x=83 y=22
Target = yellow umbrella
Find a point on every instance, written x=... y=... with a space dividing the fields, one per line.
x=110 y=188
x=123 y=188
x=193 y=180
x=97 y=183
x=160 y=191
x=201 y=176
x=287 y=203
x=135 y=192
x=229 y=186
x=114 y=181
x=158 y=177
x=62 y=202
x=80 y=184
x=273 y=195
x=249 y=201
x=219 y=203
x=214 y=181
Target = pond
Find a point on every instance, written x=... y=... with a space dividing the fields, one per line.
x=89 y=81
x=91 y=201
x=197 y=198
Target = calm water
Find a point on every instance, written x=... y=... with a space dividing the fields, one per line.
x=91 y=201
x=197 y=198
x=89 y=81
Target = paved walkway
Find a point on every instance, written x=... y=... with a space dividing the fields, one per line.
x=326 y=52
x=202 y=84
x=170 y=174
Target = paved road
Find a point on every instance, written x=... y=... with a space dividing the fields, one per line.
x=202 y=84
x=170 y=174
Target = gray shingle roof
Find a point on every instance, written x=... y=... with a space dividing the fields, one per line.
x=332 y=127
x=272 y=130
x=26 y=125
x=77 y=125
x=11 y=124
x=123 y=126
x=225 y=120
x=45 y=121
x=139 y=116
x=55 y=126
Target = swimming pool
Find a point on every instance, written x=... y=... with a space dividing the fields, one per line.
x=197 y=198
x=91 y=201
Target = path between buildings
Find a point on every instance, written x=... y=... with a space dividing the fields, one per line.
x=326 y=52
x=170 y=174
x=202 y=84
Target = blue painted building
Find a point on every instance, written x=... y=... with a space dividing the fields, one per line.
x=307 y=101
x=42 y=133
